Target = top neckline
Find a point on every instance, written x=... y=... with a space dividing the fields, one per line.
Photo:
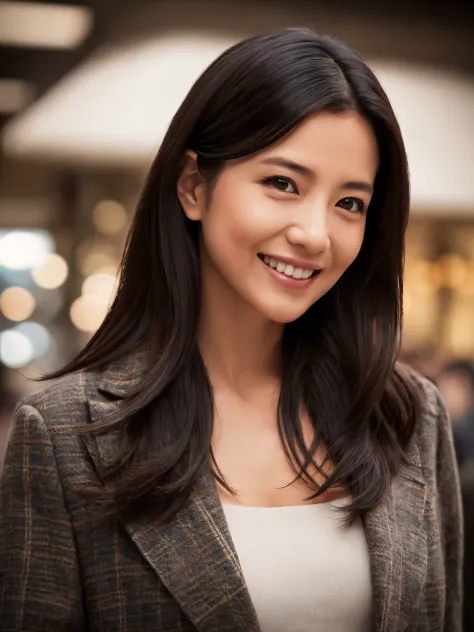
x=337 y=502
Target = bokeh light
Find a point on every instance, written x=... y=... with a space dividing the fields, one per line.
x=101 y=286
x=38 y=335
x=16 y=349
x=92 y=256
x=87 y=313
x=22 y=250
x=109 y=217
x=52 y=273
x=17 y=303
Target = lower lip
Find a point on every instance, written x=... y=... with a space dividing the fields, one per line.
x=290 y=282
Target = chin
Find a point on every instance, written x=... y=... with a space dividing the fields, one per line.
x=283 y=314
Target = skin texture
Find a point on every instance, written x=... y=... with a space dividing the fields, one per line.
x=259 y=205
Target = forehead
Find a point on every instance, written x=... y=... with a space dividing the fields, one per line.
x=339 y=144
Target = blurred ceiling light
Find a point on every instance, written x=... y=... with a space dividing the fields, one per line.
x=38 y=335
x=16 y=349
x=22 y=250
x=43 y=25
x=17 y=303
x=109 y=217
x=87 y=313
x=121 y=100
x=116 y=107
x=15 y=95
x=52 y=273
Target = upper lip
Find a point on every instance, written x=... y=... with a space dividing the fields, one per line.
x=296 y=263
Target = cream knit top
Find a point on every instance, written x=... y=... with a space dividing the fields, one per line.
x=303 y=571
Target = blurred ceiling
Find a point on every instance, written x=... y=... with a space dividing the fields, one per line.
x=438 y=32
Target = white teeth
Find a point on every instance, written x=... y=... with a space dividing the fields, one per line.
x=287 y=269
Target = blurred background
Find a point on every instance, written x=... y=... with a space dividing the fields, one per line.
x=87 y=90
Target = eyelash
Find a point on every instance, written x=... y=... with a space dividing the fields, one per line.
x=272 y=179
x=363 y=207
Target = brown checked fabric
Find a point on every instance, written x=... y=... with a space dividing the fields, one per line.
x=59 y=570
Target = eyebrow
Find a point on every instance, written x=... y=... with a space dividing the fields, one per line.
x=308 y=173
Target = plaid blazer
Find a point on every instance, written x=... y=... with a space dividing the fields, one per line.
x=61 y=571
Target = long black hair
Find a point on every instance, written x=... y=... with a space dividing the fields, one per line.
x=339 y=357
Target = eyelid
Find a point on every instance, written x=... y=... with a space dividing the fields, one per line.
x=363 y=205
x=268 y=180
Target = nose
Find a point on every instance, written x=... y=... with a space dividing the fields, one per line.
x=310 y=230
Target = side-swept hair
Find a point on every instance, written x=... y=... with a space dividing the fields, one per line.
x=339 y=357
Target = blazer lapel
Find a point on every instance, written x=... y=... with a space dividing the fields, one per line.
x=193 y=554
x=398 y=549
x=196 y=560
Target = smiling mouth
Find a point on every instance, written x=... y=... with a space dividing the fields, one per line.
x=287 y=269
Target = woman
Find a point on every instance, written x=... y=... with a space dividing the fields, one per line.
x=236 y=449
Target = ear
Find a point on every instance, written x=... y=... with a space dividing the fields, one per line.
x=191 y=188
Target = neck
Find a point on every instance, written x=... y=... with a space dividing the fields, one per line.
x=240 y=348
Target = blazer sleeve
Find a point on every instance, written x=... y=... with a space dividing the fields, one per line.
x=40 y=586
x=450 y=517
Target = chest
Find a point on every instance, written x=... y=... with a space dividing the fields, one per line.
x=251 y=456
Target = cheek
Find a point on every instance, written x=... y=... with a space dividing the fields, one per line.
x=225 y=233
x=238 y=217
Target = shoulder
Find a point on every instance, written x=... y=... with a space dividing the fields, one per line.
x=63 y=401
x=66 y=401
x=45 y=429
x=433 y=419
x=433 y=437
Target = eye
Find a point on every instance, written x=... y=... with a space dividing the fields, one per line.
x=353 y=205
x=280 y=183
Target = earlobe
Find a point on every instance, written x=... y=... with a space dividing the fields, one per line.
x=187 y=187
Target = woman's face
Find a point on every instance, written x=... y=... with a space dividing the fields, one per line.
x=282 y=226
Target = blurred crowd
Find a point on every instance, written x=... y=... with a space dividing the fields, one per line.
x=456 y=383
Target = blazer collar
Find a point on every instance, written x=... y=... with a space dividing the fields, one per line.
x=195 y=557
x=121 y=377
